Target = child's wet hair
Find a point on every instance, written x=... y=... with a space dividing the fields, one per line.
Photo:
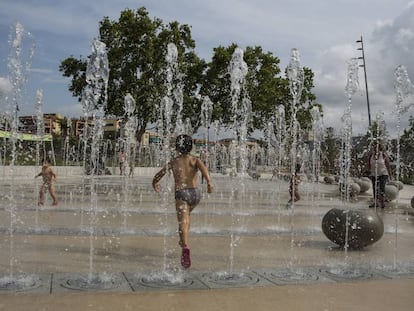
x=46 y=159
x=184 y=144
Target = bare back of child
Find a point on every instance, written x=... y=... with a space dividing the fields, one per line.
x=185 y=170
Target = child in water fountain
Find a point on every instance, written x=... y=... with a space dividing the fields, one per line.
x=184 y=168
x=294 y=187
x=48 y=177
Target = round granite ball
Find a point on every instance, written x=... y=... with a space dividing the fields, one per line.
x=391 y=192
x=365 y=227
x=354 y=189
x=329 y=179
x=412 y=202
x=396 y=183
x=364 y=185
x=365 y=178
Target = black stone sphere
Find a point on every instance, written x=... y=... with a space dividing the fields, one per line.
x=365 y=227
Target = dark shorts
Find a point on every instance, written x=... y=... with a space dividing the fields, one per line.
x=46 y=186
x=190 y=195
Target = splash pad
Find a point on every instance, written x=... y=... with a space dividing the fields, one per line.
x=136 y=246
x=115 y=234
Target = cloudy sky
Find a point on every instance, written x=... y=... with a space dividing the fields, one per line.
x=324 y=32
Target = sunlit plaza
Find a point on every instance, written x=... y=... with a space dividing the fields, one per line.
x=125 y=239
x=108 y=240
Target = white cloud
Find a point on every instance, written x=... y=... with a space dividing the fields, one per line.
x=323 y=31
x=403 y=36
x=383 y=23
x=388 y=45
x=5 y=85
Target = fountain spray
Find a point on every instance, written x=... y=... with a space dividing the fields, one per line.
x=94 y=102
x=404 y=90
x=295 y=75
x=18 y=66
x=352 y=86
x=241 y=111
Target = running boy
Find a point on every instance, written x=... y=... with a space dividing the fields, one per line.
x=184 y=168
x=48 y=177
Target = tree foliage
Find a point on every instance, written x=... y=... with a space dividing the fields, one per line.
x=137 y=46
x=266 y=87
x=407 y=154
x=330 y=149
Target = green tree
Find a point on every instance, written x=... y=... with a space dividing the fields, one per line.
x=307 y=101
x=136 y=48
x=76 y=69
x=266 y=87
x=216 y=86
x=407 y=154
x=361 y=146
x=330 y=149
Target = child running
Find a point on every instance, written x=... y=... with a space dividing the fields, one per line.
x=48 y=177
x=184 y=168
x=294 y=187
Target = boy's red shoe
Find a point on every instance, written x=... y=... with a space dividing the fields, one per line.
x=185 y=258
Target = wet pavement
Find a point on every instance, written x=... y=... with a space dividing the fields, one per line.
x=117 y=249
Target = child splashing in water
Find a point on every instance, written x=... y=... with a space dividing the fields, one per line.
x=49 y=176
x=184 y=168
x=294 y=187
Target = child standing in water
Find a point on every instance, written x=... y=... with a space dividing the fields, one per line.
x=184 y=168
x=122 y=162
x=48 y=177
x=294 y=187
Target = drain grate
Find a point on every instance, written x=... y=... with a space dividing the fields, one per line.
x=233 y=279
x=292 y=276
x=24 y=282
x=350 y=273
x=94 y=282
x=400 y=270
x=176 y=279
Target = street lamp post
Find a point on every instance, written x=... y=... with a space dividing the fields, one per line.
x=365 y=75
